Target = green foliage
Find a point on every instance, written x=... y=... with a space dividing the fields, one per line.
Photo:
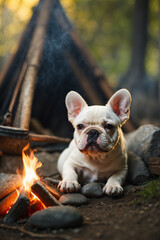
x=150 y=191
x=107 y=28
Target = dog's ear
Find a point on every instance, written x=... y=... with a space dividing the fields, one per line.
x=74 y=103
x=120 y=103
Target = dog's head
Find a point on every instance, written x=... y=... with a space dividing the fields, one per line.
x=96 y=127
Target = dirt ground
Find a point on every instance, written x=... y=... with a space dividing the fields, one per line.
x=104 y=218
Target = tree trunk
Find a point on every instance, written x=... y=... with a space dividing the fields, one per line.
x=136 y=72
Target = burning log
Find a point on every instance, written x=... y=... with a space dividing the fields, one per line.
x=19 y=209
x=53 y=190
x=7 y=202
x=44 y=195
x=8 y=183
x=35 y=205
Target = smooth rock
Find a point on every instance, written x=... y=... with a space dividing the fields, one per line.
x=137 y=171
x=144 y=142
x=92 y=190
x=76 y=199
x=56 y=217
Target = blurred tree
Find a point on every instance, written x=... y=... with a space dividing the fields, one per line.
x=136 y=71
x=14 y=16
x=122 y=36
x=137 y=80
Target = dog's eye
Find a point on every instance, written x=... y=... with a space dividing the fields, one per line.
x=80 y=126
x=108 y=126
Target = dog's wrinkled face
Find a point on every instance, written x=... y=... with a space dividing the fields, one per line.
x=96 y=127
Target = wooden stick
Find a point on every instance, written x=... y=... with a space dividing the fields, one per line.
x=8 y=183
x=53 y=190
x=16 y=90
x=83 y=80
x=35 y=235
x=51 y=180
x=34 y=57
x=12 y=58
x=44 y=195
x=7 y=202
x=47 y=138
x=19 y=209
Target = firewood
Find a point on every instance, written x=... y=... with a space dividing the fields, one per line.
x=154 y=165
x=34 y=206
x=53 y=190
x=52 y=180
x=8 y=183
x=145 y=142
x=46 y=138
x=7 y=202
x=19 y=209
x=44 y=195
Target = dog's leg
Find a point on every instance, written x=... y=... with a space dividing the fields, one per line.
x=113 y=186
x=70 y=178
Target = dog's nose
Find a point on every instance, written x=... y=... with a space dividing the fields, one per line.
x=93 y=134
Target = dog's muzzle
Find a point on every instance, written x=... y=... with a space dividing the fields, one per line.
x=93 y=134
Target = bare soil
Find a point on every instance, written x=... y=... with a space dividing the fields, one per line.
x=104 y=218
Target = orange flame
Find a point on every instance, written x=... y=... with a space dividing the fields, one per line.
x=30 y=164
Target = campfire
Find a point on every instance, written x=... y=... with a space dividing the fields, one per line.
x=33 y=195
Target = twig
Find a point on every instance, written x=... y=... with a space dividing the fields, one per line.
x=137 y=188
x=52 y=180
x=31 y=234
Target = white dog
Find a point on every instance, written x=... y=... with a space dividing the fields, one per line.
x=98 y=150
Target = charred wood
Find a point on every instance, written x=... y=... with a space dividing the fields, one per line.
x=19 y=209
x=7 y=202
x=52 y=189
x=44 y=195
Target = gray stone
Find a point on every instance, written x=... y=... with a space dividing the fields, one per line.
x=92 y=190
x=137 y=171
x=76 y=199
x=56 y=218
x=144 y=142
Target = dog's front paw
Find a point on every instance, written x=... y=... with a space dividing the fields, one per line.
x=113 y=189
x=67 y=186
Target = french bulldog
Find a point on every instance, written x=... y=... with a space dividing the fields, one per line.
x=98 y=151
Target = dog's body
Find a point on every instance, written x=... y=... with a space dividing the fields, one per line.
x=98 y=150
